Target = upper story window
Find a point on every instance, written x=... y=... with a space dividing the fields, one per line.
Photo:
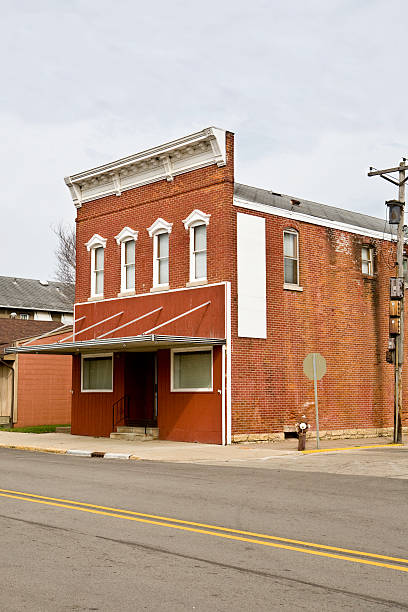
x=96 y=245
x=291 y=257
x=367 y=260
x=196 y=223
x=127 y=241
x=160 y=231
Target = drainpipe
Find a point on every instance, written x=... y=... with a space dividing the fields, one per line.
x=12 y=391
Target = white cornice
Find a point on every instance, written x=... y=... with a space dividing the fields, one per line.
x=126 y=234
x=296 y=216
x=160 y=163
x=197 y=216
x=96 y=241
x=159 y=226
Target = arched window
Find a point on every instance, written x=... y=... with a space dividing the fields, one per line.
x=160 y=231
x=96 y=245
x=127 y=241
x=291 y=257
x=196 y=223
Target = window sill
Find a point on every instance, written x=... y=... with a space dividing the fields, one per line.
x=292 y=287
x=127 y=293
x=368 y=276
x=95 y=298
x=197 y=283
x=160 y=288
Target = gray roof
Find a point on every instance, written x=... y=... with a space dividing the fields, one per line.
x=322 y=211
x=32 y=294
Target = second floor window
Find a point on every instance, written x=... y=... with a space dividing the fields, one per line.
x=98 y=270
x=129 y=264
x=196 y=224
x=160 y=231
x=162 y=258
x=291 y=257
x=199 y=253
x=367 y=260
x=96 y=245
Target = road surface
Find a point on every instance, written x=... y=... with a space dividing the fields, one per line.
x=111 y=535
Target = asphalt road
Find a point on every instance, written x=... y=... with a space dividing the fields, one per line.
x=80 y=550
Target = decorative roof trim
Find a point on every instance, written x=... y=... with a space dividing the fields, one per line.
x=159 y=163
x=126 y=234
x=95 y=241
x=195 y=217
x=296 y=216
x=160 y=225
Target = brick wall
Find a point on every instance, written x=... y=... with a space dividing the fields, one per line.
x=341 y=314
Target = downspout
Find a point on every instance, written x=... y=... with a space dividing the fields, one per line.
x=12 y=391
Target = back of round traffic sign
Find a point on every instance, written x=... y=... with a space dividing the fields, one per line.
x=320 y=366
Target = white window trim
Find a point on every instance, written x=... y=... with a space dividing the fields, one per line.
x=160 y=226
x=370 y=261
x=294 y=286
x=194 y=219
x=96 y=242
x=92 y=356
x=191 y=350
x=124 y=236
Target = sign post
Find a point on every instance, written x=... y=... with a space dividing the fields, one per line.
x=314 y=366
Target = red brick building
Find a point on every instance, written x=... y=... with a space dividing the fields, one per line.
x=198 y=298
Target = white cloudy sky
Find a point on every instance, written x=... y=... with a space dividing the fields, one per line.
x=315 y=91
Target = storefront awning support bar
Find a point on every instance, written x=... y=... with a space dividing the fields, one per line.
x=184 y=314
x=81 y=331
x=130 y=322
x=51 y=331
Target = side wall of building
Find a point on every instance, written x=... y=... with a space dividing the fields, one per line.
x=341 y=313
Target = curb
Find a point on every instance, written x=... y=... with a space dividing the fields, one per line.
x=348 y=448
x=73 y=452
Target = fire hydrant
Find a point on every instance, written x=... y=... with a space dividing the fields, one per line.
x=301 y=429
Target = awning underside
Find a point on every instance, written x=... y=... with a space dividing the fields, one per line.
x=145 y=342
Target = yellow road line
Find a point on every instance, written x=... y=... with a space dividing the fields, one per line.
x=345 y=448
x=207 y=526
x=163 y=523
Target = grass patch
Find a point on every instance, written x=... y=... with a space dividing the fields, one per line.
x=34 y=429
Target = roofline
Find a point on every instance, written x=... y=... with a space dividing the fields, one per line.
x=306 y=218
x=37 y=308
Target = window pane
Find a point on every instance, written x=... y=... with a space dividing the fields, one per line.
x=290 y=271
x=192 y=370
x=200 y=235
x=365 y=267
x=289 y=244
x=97 y=373
x=364 y=253
x=201 y=265
x=99 y=282
x=99 y=258
x=130 y=277
x=130 y=252
x=163 y=271
x=163 y=245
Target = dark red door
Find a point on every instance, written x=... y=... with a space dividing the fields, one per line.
x=139 y=387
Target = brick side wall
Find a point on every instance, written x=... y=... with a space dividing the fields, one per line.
x=341 y=314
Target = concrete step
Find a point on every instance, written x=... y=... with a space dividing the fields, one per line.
x=135 y=437
x=149 y=431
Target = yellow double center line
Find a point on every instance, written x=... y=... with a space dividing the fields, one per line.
x=353 y=556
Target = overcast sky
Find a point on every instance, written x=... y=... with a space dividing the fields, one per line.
x=315 y=91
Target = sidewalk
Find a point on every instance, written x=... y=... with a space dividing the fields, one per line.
x=181 y=452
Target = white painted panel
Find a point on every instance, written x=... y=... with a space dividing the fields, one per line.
x=251 y=263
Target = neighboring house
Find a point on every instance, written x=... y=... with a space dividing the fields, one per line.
x=41 y=300
x=198 y=298
x=34 y=389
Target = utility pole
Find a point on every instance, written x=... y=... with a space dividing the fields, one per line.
x=389 y=175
